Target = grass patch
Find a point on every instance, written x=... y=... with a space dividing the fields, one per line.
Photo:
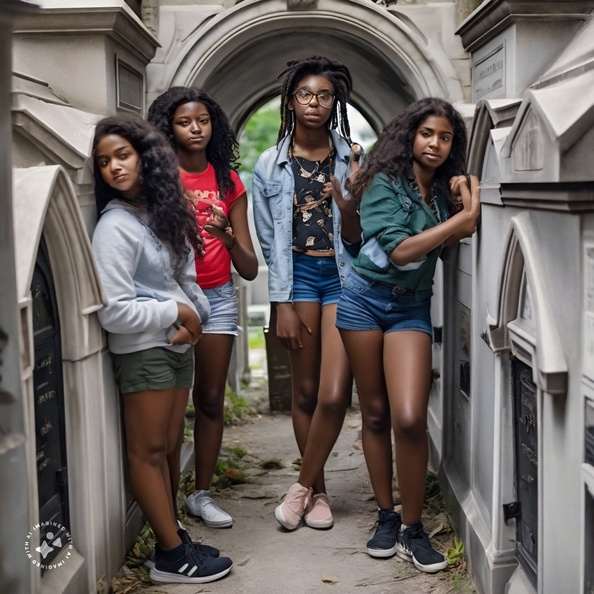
x=236 y=408
x=256 y=338
x=239 y=452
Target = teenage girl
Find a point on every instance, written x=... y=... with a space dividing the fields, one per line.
x=144 y=248
x=206 y=149
x=306 y=229
x=407 y=188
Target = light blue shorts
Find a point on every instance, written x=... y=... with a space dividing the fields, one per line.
x=315 y=278
x=369 y=305
x=223 y=310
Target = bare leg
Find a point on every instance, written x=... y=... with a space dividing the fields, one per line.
x=407 y=365
x=213 y=354
x=149 y=417
x=305 y=372
x=334 y=390
x=175 y=440
x=365 y=351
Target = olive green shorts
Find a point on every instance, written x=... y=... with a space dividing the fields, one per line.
x=154 y=369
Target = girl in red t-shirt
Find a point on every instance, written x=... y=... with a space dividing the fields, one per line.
x=206 y=148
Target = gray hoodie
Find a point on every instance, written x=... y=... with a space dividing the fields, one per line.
x=142 y=281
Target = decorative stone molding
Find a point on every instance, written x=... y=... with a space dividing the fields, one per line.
x=45 y=203
x=386 y=52
x=116 y=20
x=524 y=321
x=494 y=16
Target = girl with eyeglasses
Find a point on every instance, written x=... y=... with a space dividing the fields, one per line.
x=309 y=231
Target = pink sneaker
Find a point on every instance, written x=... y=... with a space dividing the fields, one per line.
x=291 y=510
x=318 y=513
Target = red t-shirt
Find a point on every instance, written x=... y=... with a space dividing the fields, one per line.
x=214 y=268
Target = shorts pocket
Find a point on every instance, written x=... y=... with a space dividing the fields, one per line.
x=357 y=284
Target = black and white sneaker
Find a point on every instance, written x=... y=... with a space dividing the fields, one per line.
x=414 y=546
x=185 y=538
x=185 y=565
x=201 y=548
x=385 y=540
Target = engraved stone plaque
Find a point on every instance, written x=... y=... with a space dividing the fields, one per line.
x=488 y=76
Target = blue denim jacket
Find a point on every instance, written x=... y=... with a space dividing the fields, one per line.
x=273 y=191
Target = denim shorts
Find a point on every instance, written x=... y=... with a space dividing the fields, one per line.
x=315 y=278
x=369 y=305
x=153 y=369
x=223 y=310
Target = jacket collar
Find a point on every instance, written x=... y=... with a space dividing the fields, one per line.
x=341 y=147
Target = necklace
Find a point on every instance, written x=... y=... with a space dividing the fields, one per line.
x=317 y=174
x=434 y=206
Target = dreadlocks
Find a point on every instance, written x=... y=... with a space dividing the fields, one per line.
x=338 y=74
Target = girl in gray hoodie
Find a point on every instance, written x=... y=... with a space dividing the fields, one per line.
x=144 y=246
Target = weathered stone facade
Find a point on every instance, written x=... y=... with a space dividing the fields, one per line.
x=513 y=371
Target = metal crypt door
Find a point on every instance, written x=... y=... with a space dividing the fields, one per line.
x=48 y=392
x=526 y=466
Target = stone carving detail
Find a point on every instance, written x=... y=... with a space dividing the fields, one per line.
x=150 y=15
x=302 y=4
x=527 y=152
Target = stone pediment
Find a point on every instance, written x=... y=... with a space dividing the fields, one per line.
x=53 y=133
x=576 y=58
x=488 y=115
x=550 y=139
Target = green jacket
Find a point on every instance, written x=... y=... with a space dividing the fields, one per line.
x=390 y=212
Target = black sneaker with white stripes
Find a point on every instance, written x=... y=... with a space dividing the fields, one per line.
x=186 y=565
x=414 y=546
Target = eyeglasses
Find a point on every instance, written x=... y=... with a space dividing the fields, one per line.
x=325 y=98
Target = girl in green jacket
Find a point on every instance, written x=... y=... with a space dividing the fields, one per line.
x=415 y=199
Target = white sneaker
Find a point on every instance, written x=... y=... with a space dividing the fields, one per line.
x=200 y=504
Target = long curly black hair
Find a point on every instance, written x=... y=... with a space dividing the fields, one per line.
x=222 y=151
x=170 y=214
x=392 y=154
x=338 y=74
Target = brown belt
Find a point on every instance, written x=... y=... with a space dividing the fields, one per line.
x=317 y=254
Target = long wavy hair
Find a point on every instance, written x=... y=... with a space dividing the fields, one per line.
x=170 y=214
x=222 y=151
x=392 y=153
x=340 y=77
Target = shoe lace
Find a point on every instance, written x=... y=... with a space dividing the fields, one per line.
x=388 y=523
x=414 y=532
x=198 y=557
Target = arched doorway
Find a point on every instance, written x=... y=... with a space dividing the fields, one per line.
x=237 y=55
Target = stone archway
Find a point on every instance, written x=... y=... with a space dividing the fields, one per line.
x=237 y=54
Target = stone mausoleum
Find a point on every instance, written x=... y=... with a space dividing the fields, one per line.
x=512 y=403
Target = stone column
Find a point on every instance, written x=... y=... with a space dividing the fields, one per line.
x=15 y=574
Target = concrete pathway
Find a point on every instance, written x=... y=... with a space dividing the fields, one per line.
x=270 y=560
